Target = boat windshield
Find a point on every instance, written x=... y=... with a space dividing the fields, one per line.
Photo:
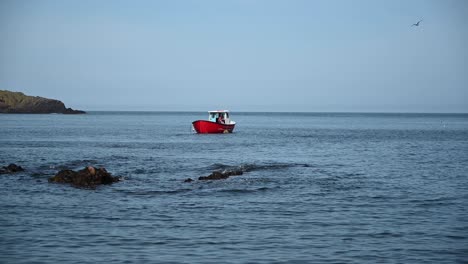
x=213 y=117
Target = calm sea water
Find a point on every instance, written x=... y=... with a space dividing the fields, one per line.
x=320 y=188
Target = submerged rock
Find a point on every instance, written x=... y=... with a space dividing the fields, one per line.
x=89 y=177
x=220 y=175
x=12 y=168
x=188 y=180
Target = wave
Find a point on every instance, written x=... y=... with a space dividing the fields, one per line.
x=68 y=165
x=153 y=192
x=240 y=191
x=433 y=201
x=52 y=168
x=256 y=167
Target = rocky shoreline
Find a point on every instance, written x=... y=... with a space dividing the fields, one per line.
x=19 y=103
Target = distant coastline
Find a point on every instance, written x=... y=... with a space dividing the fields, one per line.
x=19 y=103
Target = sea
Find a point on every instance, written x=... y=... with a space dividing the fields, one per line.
x=316 y=188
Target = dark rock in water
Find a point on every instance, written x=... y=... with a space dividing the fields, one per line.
x=188 y=180
x=19 y=103
x=215 y=175
x=88 y=177
x=220 y=175
x=12 y=168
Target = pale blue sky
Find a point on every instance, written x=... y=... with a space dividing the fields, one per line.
x=241 y=55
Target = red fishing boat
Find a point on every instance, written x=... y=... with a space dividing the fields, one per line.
x=218 y=122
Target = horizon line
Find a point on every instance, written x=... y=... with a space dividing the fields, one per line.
x=281 y=112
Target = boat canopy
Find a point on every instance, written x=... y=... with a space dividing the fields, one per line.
x=219 y=111
x=214 y=115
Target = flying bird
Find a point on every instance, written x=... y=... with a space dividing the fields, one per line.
x=417 y=24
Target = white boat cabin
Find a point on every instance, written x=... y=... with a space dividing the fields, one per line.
x=220 y=116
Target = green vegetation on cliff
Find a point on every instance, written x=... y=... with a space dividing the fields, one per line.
x=17 y=102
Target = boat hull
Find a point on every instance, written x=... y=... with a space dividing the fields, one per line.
x=208 y=127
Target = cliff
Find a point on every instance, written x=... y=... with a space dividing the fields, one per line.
x=16 y=102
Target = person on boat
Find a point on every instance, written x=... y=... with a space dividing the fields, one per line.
x=220 y=119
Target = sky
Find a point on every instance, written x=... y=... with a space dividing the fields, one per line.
x=245 y=55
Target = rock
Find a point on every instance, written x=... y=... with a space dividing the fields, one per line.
x=220 y=175
x=12 y=168
x=19 y=103
x=91 y=170
x=215 y=175
x=89 y=177
x=188 y=180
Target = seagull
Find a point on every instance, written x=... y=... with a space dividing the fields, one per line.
x=417 y=24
